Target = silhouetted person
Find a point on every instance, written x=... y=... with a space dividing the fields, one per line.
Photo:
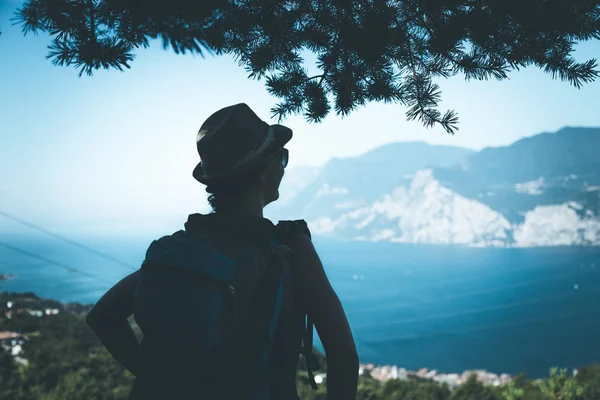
x=227 y=305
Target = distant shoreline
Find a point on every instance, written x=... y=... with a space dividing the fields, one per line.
x=384 y=373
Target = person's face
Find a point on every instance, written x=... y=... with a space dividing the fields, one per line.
x=273 y=175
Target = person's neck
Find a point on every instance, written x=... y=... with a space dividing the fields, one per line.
x=252 y=206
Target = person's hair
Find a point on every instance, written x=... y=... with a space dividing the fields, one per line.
x=225 y=197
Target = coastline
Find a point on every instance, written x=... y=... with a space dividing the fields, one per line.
x=384 y=373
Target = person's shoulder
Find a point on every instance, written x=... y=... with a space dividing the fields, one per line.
x=289 y=229
x=296 y=235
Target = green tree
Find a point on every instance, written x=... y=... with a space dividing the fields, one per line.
x=561 y=386
x=366 y=50
x=472 y=389
x=531 y=391
x=99 y=378
x=368 y=388
x=414 y=390
x=589 y=379
x=9 y=375
x=510 y=391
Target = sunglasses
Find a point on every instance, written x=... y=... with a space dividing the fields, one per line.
x=284 y=154
x=285 y=157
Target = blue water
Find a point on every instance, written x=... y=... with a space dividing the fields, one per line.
x=451 y=309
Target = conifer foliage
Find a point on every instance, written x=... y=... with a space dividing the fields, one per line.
x=367 y=50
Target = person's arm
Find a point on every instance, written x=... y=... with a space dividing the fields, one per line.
x=108 y=319
x=327 y=313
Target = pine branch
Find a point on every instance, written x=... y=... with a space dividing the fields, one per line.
x=318 y=105
x=368 y=50
x=575 y=73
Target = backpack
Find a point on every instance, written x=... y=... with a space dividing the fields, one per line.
x=208 y=303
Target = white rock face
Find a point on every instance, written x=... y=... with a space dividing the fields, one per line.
x=529 y=193
x=427 y=212
x=556 y=225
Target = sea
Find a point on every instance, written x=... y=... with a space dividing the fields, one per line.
x=415 y=306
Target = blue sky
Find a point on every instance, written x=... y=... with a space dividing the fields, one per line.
x=115 y=151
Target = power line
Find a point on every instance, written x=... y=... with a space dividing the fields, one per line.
x=67 y=240
x=53 y=262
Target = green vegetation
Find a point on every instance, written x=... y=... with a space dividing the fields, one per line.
x=65 y=360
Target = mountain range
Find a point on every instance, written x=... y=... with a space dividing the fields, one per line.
x=543 y=190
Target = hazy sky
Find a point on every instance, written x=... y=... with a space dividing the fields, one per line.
x=116 y=150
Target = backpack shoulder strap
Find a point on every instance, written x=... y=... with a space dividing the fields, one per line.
x=286 y=229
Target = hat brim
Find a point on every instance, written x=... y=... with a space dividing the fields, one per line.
x=281 y=136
